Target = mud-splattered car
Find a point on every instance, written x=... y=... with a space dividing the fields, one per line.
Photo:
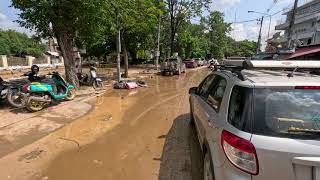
x=173 y=66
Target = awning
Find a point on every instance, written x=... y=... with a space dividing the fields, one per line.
x=304 y=51
x=56 y=54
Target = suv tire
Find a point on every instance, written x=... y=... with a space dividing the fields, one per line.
x=192 y=123
x=207 y=167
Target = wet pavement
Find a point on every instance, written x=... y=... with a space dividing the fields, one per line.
x=142 y=134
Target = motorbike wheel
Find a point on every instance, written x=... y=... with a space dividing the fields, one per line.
x=71 y=95
x=34 y=105
x=16 y=98
x=97 y=85
x=3 y=101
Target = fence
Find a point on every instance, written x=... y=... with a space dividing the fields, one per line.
x=17 y=61
x=40 y=60
x=8 y=62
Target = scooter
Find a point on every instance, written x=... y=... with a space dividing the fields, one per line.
x=91 y=80
x=43 y=94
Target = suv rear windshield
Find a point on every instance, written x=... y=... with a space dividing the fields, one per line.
x=290 y=113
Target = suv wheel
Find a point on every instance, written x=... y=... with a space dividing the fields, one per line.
x=207 y=168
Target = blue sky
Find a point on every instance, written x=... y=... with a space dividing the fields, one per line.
x=231 y=8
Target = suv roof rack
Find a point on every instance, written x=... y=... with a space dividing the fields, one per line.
x=236 y=66
x=268 y=64
x=234 y=69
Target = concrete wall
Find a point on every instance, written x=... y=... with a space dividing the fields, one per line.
x=14 y=62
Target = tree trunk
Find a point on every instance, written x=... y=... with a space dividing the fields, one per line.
x=65 y=42
x=126 y=58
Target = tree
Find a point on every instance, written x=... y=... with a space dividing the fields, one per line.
x=181 y=11
x=243 y=48
x=15 y=43
x=64 y=19
x=191 y=41
x=137 y=21
x=217 y=34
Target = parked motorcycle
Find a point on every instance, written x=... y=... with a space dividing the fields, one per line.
x=43 y=94
x=91 y=80
x=15 y=95
x=4 y=86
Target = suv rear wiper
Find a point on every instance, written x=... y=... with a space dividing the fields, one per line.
x=311 y=131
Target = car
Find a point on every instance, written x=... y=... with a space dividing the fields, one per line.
x=260 y=121
x=191 y=63
x=200 y=62
x=173 y=66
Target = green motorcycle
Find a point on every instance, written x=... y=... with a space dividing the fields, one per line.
x=43 y=94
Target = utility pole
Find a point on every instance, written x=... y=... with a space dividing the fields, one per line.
x=118 y=50
x=260 y=35
x=269 y=27
x=158 y=45
x=292 y=20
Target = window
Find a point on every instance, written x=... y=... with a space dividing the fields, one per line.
x=240 y=108
x=291 y=113
x=217 y=93
x=205 y=85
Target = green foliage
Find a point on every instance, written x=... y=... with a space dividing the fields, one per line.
x=180 y=12
x=93 y=24
x=244 y=48
x=192 y=39
x=15 y=43
x=217 y=34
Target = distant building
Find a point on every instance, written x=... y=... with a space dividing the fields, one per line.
x=306 y=29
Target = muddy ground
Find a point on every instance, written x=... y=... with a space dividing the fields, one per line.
x=142 y=134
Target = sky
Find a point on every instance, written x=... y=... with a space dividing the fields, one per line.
x=237 y=11
x=234 y=10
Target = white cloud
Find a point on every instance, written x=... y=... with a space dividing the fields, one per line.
x=222 y=5
x=3 y=17
x=238 y=32
x=250 y=31
x=6 y=23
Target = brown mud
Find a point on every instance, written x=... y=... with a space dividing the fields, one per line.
x=142 y=134
x=153 y=134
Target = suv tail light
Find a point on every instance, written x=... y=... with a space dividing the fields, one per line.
x=240 y=152
x=308 y=87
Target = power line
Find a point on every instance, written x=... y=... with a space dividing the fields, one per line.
x=272 y=5
x=245 y=21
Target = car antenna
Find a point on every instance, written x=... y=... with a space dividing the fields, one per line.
x=290 y=75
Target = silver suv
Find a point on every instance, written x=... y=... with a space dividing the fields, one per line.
x=259 y=124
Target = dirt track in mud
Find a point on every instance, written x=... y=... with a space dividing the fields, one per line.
x=152 y=140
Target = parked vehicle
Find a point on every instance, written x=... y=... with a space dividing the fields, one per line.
x=173 y=66
x=256 y=122
x=213 y=65
x=42 y=94
x=91 y=79
x=191 y=63
x=200 y=62
x=4 y=87
x=15 y=95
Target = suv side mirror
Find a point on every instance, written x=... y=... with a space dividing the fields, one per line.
x=193 y=90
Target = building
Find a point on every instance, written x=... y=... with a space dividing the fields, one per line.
x=306 y=28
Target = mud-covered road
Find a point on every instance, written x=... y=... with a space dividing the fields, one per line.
x=152 y=141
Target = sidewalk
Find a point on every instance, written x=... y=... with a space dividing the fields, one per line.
x=19 y=128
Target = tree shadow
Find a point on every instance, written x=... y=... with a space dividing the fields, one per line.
x=182 y=157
